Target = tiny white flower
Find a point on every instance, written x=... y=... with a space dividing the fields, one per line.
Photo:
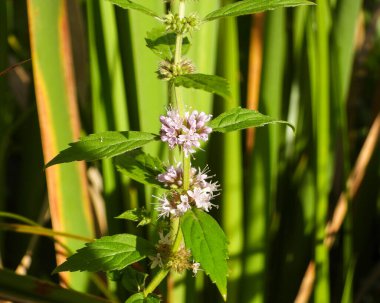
x=195 y=267
x=201 y=198
x=156 y=261
x=184 y=206
x=164 y=240
x=164 y=209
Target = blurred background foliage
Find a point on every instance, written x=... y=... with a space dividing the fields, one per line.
x=301 y=212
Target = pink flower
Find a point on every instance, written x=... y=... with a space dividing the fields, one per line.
x=178 y=202
x=201 y=198
x=172 y=177
x=164 y=209
x=185 y=132
x=170 y=127
x=184 y=206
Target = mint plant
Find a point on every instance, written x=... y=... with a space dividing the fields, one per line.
x=189 y=238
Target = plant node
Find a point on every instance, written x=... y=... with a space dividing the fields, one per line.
x=168 y=70
x=179 y=25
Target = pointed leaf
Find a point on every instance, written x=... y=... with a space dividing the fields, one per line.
x=103 y=145
x=133 y=280
x=163 y=43
x=140 y=215
x=126 y=4
x=108 y=253
x=247 y=7
x=139 y=298
x=208 y=245
x=140 y=167
x=211 y=83
x=241 y=118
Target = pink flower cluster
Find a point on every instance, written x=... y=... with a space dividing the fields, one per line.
x=186 y=131
x=200 y=193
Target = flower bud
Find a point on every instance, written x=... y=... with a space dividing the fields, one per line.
x=168 y=70
x=179 y=25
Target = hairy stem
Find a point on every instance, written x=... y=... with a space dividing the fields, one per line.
x=157 y=279
x=186 y=172
x=178 y=56
x=180 y=103
x=176 y=100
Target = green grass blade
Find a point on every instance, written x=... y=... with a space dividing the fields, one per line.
x=203 y=58
x=151 y=92
x=263 y=163
x=58 y=117
x=108 y=94
x=226 y=150
x=268 y=140
x=321 y=128
x=342 y=53
x=148 y=92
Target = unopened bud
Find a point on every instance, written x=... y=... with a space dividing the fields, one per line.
x=168 y=70
x=179 y=25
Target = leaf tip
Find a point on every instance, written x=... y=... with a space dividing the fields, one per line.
x=50 y=163
x=292 y=127
x=56 y=270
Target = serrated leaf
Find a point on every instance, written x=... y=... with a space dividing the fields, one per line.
x=140 y=215
x=126 y=4
x=108 y=253
x=139 y=298
x=208 y=245
x=140 y=167
x=247 y=7
x=163 y=43
x=133 y=280
x=103 y=145
x=210 y=83
x=241 y=118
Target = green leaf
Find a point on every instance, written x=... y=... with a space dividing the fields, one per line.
x=126 y=4
x=140 y=215
x=139 y=298
x=211 y=83
x=140 y=167
x=163 y=43
x=208 y=245
x=247 y=7
x=241 y=118
x=108 y=253
x=103 y=145
x=133 y=280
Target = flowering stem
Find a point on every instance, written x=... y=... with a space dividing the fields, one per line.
x=178 y=44
x=164 y=271
x=178 y=56
x=174 y=99
x=186 y=172
x=156 y=281
x=177 y=59
x=178 y=235
x=171 y=99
